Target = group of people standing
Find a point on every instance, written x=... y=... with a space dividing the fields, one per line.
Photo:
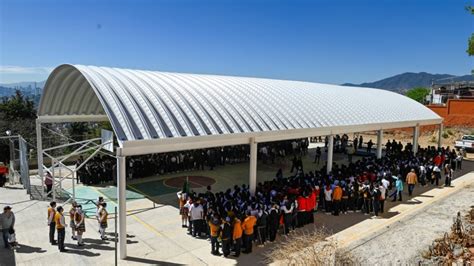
x=102 y=169
x=77 y=223
x=287 y=203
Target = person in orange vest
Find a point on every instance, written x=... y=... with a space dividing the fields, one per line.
x=214 y=228
x=237 y=236
x=412 y=178
x=61 y=227
x=52 y=222
x=247 y=227
x=336 y=199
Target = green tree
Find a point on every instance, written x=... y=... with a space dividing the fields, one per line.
x=418 y=94
x=17 y=107
x=78 y=130
x=17 y=114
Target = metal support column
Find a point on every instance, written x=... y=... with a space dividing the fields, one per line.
x=330 y=153
x=39 y=153
x=416 y=134
x=53 y=162
x=253 y=167
x=440 y=135
x=379 y=143
x=122 y=208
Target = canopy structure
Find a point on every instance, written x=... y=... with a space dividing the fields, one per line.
x=158 y=111
x=154 y=112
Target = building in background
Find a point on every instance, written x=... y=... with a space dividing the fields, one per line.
x=442 y=92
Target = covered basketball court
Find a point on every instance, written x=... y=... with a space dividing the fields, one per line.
x=156 y=112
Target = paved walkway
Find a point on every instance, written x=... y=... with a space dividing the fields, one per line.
x=401 y=239
x=155 y=235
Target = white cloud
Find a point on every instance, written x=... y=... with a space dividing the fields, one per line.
x=25 y=70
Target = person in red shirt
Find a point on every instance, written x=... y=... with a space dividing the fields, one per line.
x=437 y=159
x=3 y=174
x=301 y=211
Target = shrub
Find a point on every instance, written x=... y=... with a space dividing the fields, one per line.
x=310 y=247
x=445 y=135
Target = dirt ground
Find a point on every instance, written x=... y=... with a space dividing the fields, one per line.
x=428 y=136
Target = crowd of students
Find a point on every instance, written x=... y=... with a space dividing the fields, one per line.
x=77 y=223
x=235 y=219
x=102 y=169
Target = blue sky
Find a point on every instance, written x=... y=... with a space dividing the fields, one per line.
x=324 y=41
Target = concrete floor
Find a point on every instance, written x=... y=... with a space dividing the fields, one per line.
x=154 y=232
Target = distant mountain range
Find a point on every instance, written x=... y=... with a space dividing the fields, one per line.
x=24 y=84
x=397 y=83
x=409 y=80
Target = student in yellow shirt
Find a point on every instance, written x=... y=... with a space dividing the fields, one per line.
x=103 y=214
x=61 y=227
x=237 y=236
x=214 y=228
x=247 y=227
x=51 y=222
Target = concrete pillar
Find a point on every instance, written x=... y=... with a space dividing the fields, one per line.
x=330 y=152
x=440 y=135
x=253 y=167
x=416 y=134
x=379 y=143
x=122 y=208
x=39 y=155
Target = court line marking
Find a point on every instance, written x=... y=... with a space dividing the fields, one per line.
x=148 y=226
x=194 y=182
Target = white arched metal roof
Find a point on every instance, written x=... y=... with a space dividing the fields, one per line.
x=149 y=107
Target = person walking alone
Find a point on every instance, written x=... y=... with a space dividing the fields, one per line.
x=412 y=178
x=398 y=188
x=48 y=181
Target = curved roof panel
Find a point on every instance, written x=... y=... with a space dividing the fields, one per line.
x=145 y=105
